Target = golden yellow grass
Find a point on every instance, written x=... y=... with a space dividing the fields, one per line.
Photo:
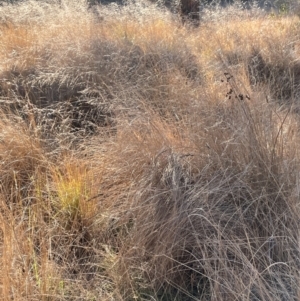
x=186 y=185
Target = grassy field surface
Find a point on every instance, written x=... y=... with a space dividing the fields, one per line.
x=144 y=159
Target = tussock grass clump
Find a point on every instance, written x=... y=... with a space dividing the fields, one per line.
x=146 y=159
x=22 y=157
x=76 y=83
x=213 y=224
x=282 y=78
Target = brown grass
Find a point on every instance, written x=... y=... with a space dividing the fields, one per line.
x=143 y=159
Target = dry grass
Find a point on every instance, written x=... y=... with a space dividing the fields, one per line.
x=146 y=160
